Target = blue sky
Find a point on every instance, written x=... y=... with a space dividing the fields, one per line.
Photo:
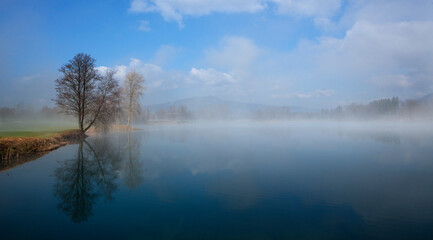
x=312 y=53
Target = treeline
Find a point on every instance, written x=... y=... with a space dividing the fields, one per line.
x=383 y=108
x=23 y=112
x=173 y=113
x=378 y=109
x=182 y=113
x=275 y=113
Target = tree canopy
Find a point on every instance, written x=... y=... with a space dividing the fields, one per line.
x=86 y=94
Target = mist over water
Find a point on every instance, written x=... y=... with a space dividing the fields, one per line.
x=327 y=180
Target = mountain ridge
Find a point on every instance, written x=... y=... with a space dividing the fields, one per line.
x=426 y=99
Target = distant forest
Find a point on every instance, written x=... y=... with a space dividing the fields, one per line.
x=23 y=112
x=383 y=108
x=378 y=109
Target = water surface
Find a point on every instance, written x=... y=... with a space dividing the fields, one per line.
x=229 y=181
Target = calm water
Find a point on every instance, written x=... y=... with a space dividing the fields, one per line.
x=229 y=181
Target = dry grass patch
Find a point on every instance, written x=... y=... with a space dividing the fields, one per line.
x=16 y=147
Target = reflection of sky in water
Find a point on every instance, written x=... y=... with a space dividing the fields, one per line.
x=302 y=180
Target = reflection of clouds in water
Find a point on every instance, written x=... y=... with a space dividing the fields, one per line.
x=383 y=137
x=203 y=148
x=313 y=162
x=243 y=166
x=132 y=169
x=384 y=132
x=266 y=178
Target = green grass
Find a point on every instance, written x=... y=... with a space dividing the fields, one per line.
x=35 y=128
x=42 y=134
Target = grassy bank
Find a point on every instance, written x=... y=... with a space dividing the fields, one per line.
x=24 y=142
x=37 y=134
x=34 y=128
x=14 y=148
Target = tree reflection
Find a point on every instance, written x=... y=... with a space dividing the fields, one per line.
x=132 y=168
x=81 y=181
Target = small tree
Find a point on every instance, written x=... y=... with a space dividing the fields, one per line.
x=132 y=91
x=83 y=93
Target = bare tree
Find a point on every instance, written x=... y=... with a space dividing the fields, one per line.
x=133 y=89
x=83 y=93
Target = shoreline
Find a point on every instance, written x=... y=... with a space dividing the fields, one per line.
x=15 y=151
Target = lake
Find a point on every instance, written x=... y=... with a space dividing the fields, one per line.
x=294 y=180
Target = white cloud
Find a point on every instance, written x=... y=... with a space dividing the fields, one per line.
x=174 y=10
x=383 y=47
x=196 y=7
x=324 y=23
x=209 y=77
x=151 y=72
x=165 y=85
x=316 y=94
x=102 y=69
x=234 y=53
x=144 y=26
x=385 y=11
x=392 y=81
x=165 y=54
x=366 y=51
x=386 y=45
x=311 y=8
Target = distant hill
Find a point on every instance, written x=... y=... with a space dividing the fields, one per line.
x=427 y=99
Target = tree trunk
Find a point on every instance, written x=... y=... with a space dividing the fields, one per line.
x=80 y=123
x=129 y=119
x=130 y=110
